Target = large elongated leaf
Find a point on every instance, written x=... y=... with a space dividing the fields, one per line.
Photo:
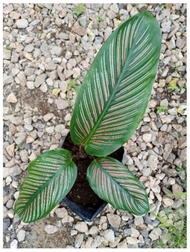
x=50 y=177
x=116 y=184
x=116 y=90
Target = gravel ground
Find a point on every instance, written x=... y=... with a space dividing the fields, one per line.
x=46 y=46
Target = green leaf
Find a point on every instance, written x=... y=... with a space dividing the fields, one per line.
x=50 y=177
x=115 y=183
x=116 y=90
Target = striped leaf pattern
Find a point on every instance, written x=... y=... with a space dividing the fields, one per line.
x=115 y=183
x=116 y=90
x=50 y=177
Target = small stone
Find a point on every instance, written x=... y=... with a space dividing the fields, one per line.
x=152 y=162
x=81 y=227
x=164 y=103
x=93 y=230
x=111 y=14
x=29 y=48
x=40 y=79
x=167 y=201
x=147 y=137
x=183 y=155
x=114 y=7
x=9 y=203
x=134 y=233
x=61 y=104
x=57 y=50
x=167 y=150
x=21 y=235
x=109 y=235
x=43 y=88
x=79 y=30
x=9 y=8
x=155 y=234
x=122 y=244
x=177 y=189
x=114 y=220
x=127 y=160
x=138 y=220
x=182 y=142
x=49 y=81
x=66 y=219
x=14 y=244
x=97 y=241
x=24 y=156
x=30 y=84
x=20 y=138
x=50 y=129
x=78 y=240
x=166 y=26
x=6 y=54
x=61 y=212
x=107 y=32
x=21 y=23
x=132 y=240
x=28 y=56
x=48 y=116
x=11 y=98
x=13 y=171
x=171 y=181
x=50 y=229
x=10 y=149
x=88 y=243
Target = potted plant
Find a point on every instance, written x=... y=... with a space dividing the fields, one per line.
x=109 y=106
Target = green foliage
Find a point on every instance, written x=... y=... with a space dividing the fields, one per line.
x=174 y=225
x=50 y=177
x=109 y=106
x=8 y=47
x=79 y=9
x=70 y=85
x=121 y=189
x=100 y=19
x=117 y=87
x=161 y=109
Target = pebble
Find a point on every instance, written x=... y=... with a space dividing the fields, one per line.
x=50 y=229
x=22 y=23
x=81 y=227
x=11 y=98
x=114 y=220
x=40 y=79
x=109 y=235
x=155 y=234
x=48 y=116
x=12 y=171
x=29 y=48
x=21 y=235
x=9 y=8
x=14 y=244
x=61 y=212
x=167 y=201
x=177 y=189
x=152 y=162
x=78 y=240
x=93 y=230
x=147 y=137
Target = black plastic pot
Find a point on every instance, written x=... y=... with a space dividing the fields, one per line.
x=87 y=213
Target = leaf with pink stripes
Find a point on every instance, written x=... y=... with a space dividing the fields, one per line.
x=116 y=184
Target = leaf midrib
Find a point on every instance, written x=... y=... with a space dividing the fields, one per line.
x=93 y=130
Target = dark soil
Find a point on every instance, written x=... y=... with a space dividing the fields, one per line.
x=81 y=193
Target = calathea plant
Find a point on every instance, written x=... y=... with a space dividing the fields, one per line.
x=110 y=104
